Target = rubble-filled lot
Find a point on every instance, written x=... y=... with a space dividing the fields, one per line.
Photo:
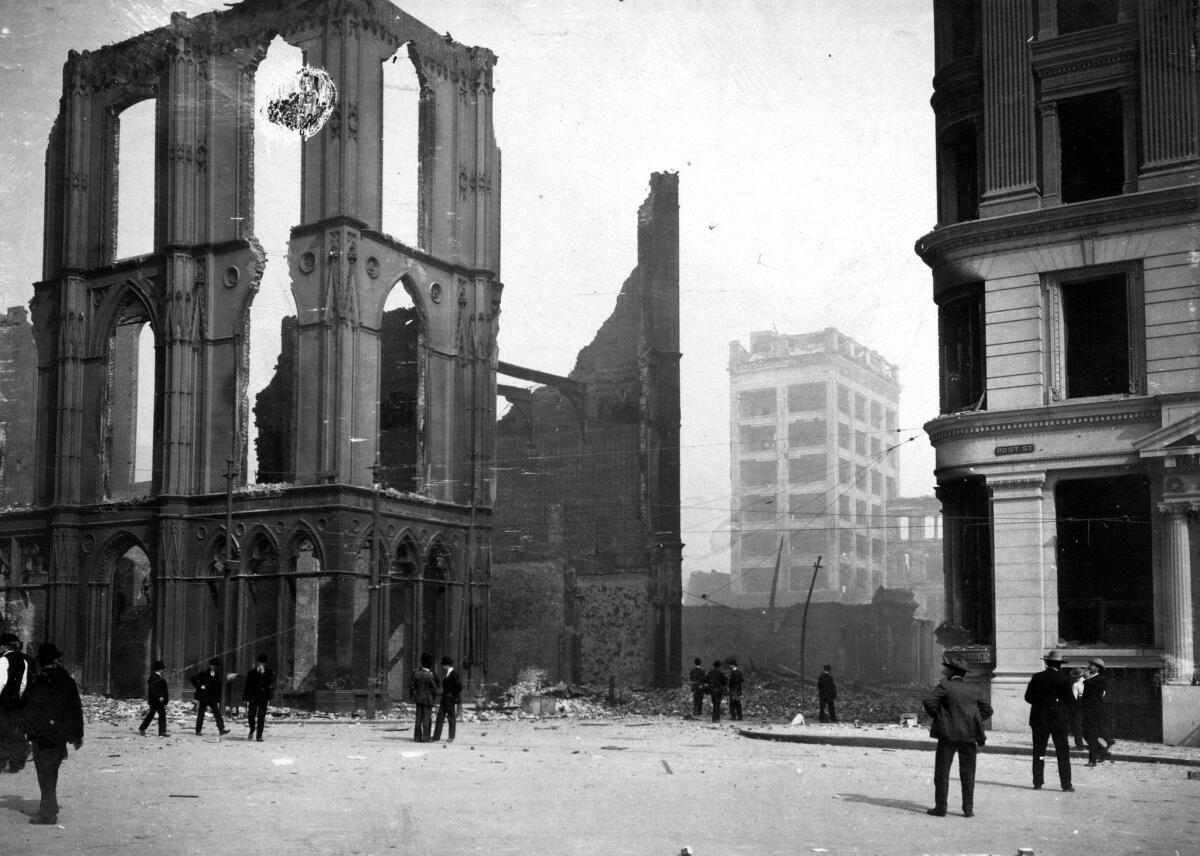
x=767 y=699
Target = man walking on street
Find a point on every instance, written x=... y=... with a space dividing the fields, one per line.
x=698 y=682
x=208 y=695
x=260 y=686
x=826 y=693
x=14 y=678
x=157 y=694
x=736 y=679
x=717 y=683
x=1091 y=704
x=53 y=718
x=958 y=713
x=451 y=695
x=423 y=687
x=1051 y=704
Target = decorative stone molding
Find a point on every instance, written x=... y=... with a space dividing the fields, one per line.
x=985 y=424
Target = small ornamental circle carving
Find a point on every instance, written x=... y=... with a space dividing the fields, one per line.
x=390 y=530
x=308 y=262
x=201 y=533
x=435 y=292
x=321 y=523
x=373 y=267
x=278 y=525
x=354 y=525
x=88 y=543
x=239 y=529
x=232 y=276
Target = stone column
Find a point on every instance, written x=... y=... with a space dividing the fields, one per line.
x=1010 y=147
x=1129 y=138
x=1026 y=592
x=1169 y=111
x=1051 y=155
x=1178 y=648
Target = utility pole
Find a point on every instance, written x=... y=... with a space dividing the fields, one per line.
x=373 y=595
x=227 y=568
x=804 y=628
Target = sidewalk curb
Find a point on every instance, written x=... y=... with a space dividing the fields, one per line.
x=930 y=745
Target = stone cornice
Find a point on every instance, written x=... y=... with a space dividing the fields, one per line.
x=1083 y=61
x=1051 y=418
x=1032 y=228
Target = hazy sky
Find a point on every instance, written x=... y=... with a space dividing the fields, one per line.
x=801 y=132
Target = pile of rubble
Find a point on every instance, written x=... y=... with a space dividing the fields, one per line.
x=768 y=697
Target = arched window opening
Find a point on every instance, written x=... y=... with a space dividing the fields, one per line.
x=401 y=153
x=134 y=234
x=128 y=427
x=132 y=620
x=277 y=186
x=400 y=418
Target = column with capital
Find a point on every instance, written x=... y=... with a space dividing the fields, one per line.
x=1180 y=697
x=1178 y=625
x=1026 y=590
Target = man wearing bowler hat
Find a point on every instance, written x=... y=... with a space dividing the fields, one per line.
x=1051 y=704
x=958 y=713
x=1092 y=705
x=53 y=718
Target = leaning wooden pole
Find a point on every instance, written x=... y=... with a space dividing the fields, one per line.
x=804 y=629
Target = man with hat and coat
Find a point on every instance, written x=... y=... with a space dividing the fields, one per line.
x=958 y=713
x=53 y=718
x=208 y=695
x=1051 y=704
x=1091 y=704
x=14 y=678
x=260 y=686
x=157 y=694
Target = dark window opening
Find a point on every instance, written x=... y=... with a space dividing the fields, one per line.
x=757 y=579
x=1096 y=322
x=806 y=468
x=760 y=543
x=810 y=432
x=1105 y=587
x=960 y=335
x=399 y=394
x=964 y=28
x=1076 y=15
x=1092 y=146
x=962 y=150
x=967 y=520
x=757 y=402
x=806 y=504
x=758 y=509
x=758 y=472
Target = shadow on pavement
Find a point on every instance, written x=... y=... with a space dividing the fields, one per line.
x=19 y=804
x=903 y=805
x=991 y=784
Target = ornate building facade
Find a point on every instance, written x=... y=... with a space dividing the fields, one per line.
x=1064 y=270
x=374 y=544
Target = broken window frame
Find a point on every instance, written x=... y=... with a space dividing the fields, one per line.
x=1058 y=371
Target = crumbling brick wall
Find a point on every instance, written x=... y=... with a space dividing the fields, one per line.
x=593 y=494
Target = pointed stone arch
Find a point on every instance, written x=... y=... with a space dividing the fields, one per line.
x=120 y=616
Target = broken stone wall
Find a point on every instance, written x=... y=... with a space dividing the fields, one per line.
x=18 y=389
x=588 y=492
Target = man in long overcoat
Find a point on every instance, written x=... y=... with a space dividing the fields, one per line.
x=53 y=717
x=1051 y=705
x=958 y=712
x=208 y=695
x=260 y=686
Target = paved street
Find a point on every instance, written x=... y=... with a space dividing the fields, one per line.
x=567 y=786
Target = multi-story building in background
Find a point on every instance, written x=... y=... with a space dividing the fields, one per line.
x=1064 y=270
x=813 y=420
x=915 y=552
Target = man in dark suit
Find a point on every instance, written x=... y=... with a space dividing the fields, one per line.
x=1051 y=705
x=1092 y=705
x=451 y=696
x=424 y=688
x=53 y=718
x=156 y=696
x=698 y=682
x=717 y=684
x=14 y=678
x=260 y=686
x=826 y=693
x=208 y=695
x=958 y=712
x=736 y=679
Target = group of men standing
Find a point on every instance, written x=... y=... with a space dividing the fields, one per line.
x=40 y=712
x=717 y=683
x=958 y=711
x=427 y=689
x=256 y=694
